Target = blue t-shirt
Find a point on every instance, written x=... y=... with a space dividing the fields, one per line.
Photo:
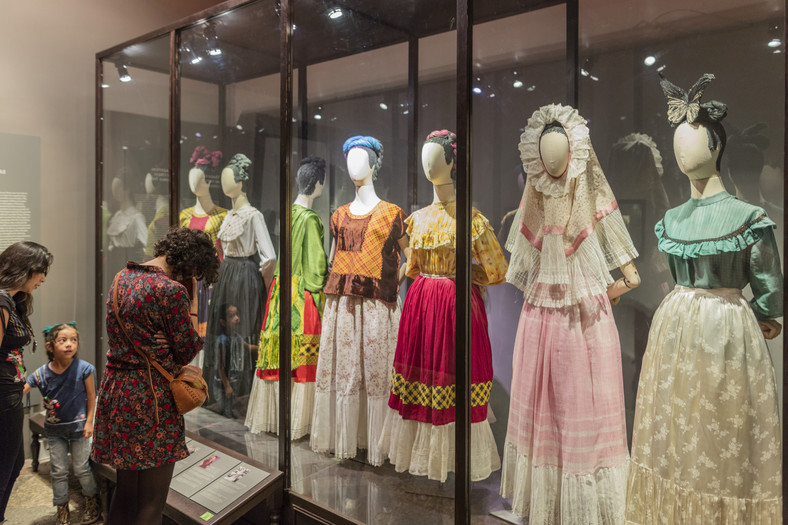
x=65 y=397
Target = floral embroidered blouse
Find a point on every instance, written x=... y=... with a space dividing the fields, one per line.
x=432 y=237
x=16 y=336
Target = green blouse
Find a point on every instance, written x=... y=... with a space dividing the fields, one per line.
x=722 y=242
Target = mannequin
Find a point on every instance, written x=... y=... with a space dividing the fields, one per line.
x=205 y=216
x=126 y=227
x=241 y=285
x=720 y=458
x=160 y=223
x=566 y=445
x=309 y=270
x=361 y=316
x=424 y=357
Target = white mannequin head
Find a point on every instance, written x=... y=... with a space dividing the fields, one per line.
x=150 y=188
x=197 y=183
x=358 y=166
x=691 y=147
x=433 y=161
x=230 y=186
x=118 y=189
x=554 y=151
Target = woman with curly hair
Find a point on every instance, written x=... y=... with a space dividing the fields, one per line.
x=138 y=430
x=23 y=268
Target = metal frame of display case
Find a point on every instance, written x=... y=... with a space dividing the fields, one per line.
x=465 y=21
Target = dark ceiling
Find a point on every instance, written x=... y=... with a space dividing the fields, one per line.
x=248 y=36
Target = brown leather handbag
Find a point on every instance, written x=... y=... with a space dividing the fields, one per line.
x=189 y=389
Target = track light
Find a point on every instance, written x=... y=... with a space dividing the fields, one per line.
x=123 y=73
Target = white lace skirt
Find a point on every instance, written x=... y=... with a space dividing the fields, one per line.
x=262 y=414
x=357 y=344
x=706 y=446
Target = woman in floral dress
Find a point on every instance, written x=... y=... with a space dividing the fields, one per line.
x=138 y=429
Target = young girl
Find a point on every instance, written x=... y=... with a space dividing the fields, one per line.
x=234 y=361
x=69 y=389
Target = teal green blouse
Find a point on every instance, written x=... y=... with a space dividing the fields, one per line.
x=722 y=242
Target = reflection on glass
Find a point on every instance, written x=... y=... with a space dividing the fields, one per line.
x=309 y=271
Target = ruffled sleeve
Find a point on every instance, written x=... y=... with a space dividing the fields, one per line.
x=748 y=235
x=489 y=265
x=765 y=277
x=614 y=240
x=263 y=244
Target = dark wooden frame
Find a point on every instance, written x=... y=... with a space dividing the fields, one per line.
x=465 y=21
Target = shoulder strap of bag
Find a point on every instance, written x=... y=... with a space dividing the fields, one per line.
x=147 y=358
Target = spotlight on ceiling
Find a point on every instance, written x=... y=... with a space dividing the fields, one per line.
x=517 y=83
x=335 y=13
x=650 y=60
x=123 y=73
x=775 y=42
x=318 y=116
x=477 y=90
x=196 y=60
x=383 y=106
x=215 y=51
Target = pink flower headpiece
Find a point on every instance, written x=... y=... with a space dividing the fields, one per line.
x=205 y=158
x=450 y=139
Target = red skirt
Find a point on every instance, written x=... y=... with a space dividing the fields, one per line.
x=423 y=380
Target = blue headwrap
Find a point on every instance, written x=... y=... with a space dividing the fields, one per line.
x=365 y=142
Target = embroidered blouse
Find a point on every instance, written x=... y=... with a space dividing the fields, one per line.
x=16 y=336
x=366 y=259
x=243 y=233
x=432 y=236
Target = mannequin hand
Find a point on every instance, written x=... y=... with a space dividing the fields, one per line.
x=770 y=328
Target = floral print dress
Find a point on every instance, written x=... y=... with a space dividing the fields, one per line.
x=128 y=435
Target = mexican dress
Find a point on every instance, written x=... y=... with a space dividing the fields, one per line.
x=359 y=332
x=706 y=446
x=418 y=434
x=308 y=277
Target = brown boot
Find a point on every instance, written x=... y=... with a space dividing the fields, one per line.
x=63 y=517
x=92 y=510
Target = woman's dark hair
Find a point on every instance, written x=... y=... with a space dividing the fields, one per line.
x=311 y=171
x=18 y=263
x=51 y=333
x=190 y=253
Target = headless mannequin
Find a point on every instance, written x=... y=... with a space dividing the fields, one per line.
x=233 y=189
x=554 y=150
x=201 y=189
x=699 y=164
x=366 y=199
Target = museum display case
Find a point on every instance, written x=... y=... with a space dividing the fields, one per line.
x=322 y=144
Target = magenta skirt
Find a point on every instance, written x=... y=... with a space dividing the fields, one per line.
x=423 y=385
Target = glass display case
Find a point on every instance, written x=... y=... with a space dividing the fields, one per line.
x=322 y=145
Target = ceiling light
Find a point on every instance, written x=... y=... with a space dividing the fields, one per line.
x=383 y=106
x=531 y=88
x=335 y=13
x=777 y=51
x=196 y=60
x=583 y=72
x=650 y=60
x=105 y=86
x=492 y=95
x=517 y=83
x=477 y=90
x=123 y=73
x=775 y=42
x=215 y=52
x=318 y=116
x=239 y=127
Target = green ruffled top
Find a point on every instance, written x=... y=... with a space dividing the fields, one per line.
x=722 y=242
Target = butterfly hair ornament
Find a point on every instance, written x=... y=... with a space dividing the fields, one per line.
x=686 y=106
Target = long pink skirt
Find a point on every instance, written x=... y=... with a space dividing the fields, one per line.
x=566 y=459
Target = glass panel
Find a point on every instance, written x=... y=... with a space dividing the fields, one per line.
x=621 y=95
x=516 y=71
x=353 y=71
x=229 y=188
x=135 y=89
